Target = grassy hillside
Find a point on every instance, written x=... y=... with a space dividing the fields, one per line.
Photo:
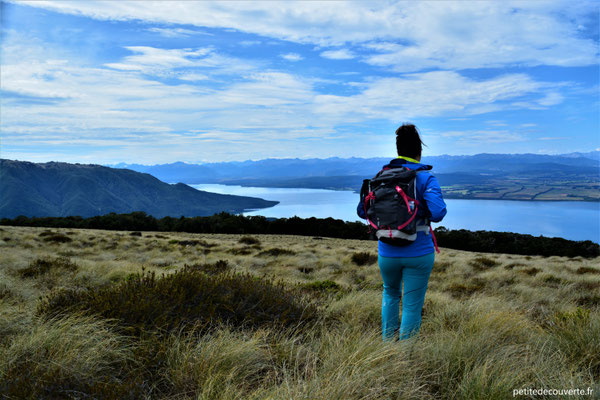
x=491 y=323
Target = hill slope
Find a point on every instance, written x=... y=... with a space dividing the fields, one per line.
x=491 y=324
x=61 y=189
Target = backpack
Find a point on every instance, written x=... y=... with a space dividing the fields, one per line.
x=390 y=203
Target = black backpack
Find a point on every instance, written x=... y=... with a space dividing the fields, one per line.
x=390 y=204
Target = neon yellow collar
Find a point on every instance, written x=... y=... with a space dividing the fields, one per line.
x=412 y=160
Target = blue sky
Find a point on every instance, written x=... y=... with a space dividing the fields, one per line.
x=157 y=82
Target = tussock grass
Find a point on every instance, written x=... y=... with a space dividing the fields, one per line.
x=363 y=258
x=276 y=251
x=42 y=266
x=57 y=358
x=491 y=323
x=249 y=240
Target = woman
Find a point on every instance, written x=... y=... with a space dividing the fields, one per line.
x=410 y=264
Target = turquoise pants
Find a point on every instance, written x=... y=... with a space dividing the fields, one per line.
x=414 y=272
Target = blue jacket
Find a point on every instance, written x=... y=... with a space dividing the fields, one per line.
x=432 y=207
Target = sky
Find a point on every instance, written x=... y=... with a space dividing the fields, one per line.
x=148 y=82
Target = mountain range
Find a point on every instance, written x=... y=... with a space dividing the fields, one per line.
x=60 y=189
x=574 y=176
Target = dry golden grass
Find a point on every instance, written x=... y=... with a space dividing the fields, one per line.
x=492 y=322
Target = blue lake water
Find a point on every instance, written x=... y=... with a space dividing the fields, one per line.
x=567 y=219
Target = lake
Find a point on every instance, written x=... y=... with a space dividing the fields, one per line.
x=567 y=219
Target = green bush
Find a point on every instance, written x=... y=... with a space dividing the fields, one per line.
x=364 y=258
x=187 y=298
x=41 y=266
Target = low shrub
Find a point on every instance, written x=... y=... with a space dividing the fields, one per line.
x=589 y=300
x=483 y=263
x=187 y=298
x=249 y=240
x=5 y=291
x=513 y=265
x=531 y=271
x=192 y=243
x=587 y=270
x=324 y=287
x=42 y=266
x=242 y=251
x=552 y=280
x=466 y=289
x=364 y=258
x=57 y=238
x=441 y=266
x=276 y=251
x=211 y=269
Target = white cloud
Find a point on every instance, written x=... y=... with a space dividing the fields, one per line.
x=341 y=54
x=153 y=60
x=147 y=57
x=177 y=32
x=416 y=35
x=496 y=123
x=292 y=56
x=192 y=77
x=108 y=106
x=551 y=99
x=477 y=137
x=553 y=138
x=429 y=94
x=250 y=42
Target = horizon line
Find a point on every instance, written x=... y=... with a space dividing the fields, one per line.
x=304 y=159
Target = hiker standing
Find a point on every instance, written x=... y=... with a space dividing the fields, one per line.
x=399 y=203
